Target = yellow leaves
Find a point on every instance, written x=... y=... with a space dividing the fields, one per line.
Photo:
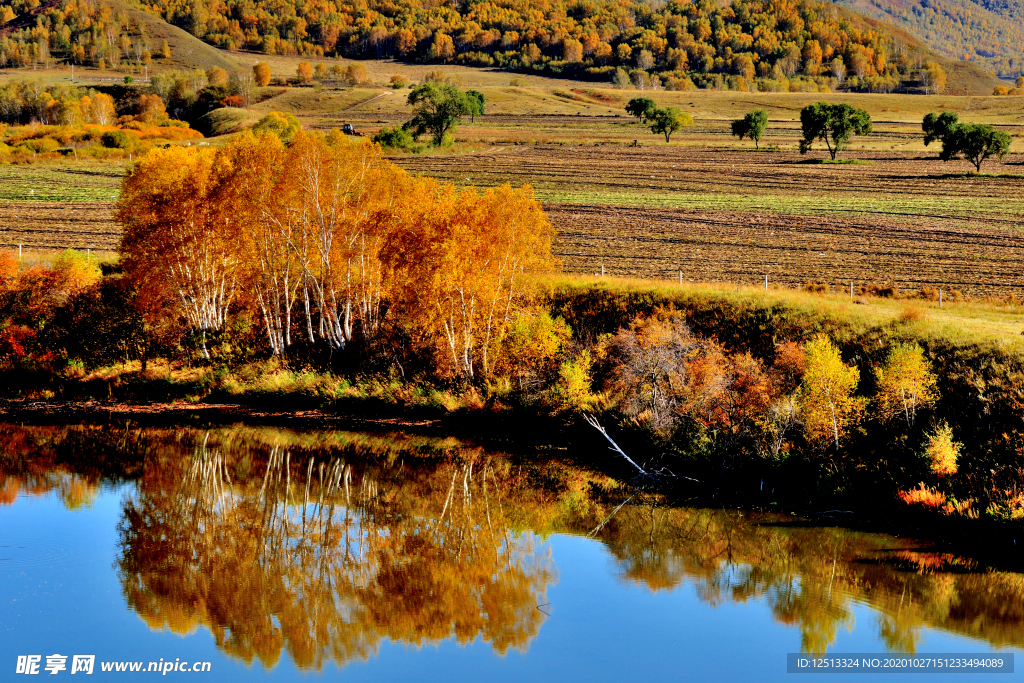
x=75 y=271
x=941 y=451
x=459 y=259
x=330 y=218
x=829 y=406
x=905 y=383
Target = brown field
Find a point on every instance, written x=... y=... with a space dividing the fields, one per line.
x=58 y=225
x=900 y=218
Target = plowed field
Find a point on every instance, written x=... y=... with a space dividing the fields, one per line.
x=903 y=219
x=900 y=218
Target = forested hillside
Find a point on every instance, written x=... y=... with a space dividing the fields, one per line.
x=106 y=34
x=767 y=44
x=988 y=32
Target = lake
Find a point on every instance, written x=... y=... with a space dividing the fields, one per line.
x=295 y=555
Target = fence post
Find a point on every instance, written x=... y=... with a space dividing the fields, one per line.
x=940 y=298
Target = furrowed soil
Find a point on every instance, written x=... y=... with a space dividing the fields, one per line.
x=899 y=218
x=48 y=207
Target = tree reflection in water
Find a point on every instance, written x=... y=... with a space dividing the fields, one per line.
x=321 y=544
x=326 y=565
x=811 y=576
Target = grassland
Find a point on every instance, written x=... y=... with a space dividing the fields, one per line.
x=985 y=324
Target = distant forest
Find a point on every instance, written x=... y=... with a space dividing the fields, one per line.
x=989 y=32
x=771 y=45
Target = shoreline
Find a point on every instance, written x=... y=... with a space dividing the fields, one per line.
x=993 y=544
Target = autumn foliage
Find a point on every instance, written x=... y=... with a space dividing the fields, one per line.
x=332 y=244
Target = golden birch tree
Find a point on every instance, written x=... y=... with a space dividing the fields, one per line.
x=174 y=233
x=905 y=383
x=829 y=407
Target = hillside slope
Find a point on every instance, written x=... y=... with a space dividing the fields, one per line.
x=187 y=51
x=32 y=34
x=987 y=32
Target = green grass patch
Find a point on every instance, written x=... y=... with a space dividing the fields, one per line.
x=1008 y=212
x=61 y=183
x=847 y=162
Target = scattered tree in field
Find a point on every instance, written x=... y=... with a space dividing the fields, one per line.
x=281 y=124
x=669 y=120
x=165 y=50
x=478 y=101
x=938 y=126
x=641 y=107
x=833 y=124
x=974 y=142
x=905 y=383
x=828 y=404
x=261 y=72
x=752 y=126
x=304 y=72
x=437 y=109
x=941 y=451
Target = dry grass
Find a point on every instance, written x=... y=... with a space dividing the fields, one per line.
x=982 y=323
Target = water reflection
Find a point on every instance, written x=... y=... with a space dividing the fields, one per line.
x=325 y=565
x=321 y=545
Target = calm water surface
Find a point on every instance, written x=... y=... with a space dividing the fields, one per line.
x=296 y=555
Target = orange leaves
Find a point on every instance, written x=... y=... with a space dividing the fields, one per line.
x=329 y=221
x=176 y=237
x=927 y=497
x=8 y=269
x=459 y=259
x=664 y=374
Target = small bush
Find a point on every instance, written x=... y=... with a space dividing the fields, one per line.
x=119 y=139
x=942 y=452
x=397 y=138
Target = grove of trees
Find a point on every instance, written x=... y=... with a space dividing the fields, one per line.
x=770 y=45
x=330 y=245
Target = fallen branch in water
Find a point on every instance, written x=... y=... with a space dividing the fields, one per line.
x=592 y=421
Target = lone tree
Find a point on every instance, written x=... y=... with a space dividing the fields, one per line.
x=641 y=107
x=437 y=109
x=833 y=124
x=972 y=141
x=751 y=126
x=668 y=121
x=478 y=99
x=261 y=72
